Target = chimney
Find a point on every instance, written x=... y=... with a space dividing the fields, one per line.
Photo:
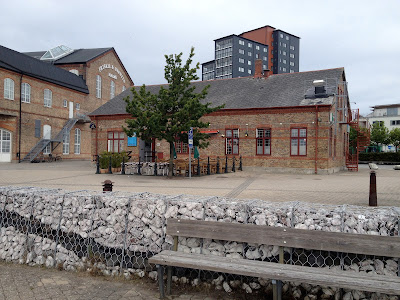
x=258 y=70
x=319 y=88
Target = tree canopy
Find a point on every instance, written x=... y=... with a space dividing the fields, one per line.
x=169 y=114
x=379 y=134
x=394 y=137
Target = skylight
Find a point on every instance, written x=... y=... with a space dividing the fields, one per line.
x=56 y=53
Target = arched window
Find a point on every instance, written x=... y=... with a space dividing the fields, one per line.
x=74 y=71
x=77 y=146
x=48 y=98
x=9 y=89
x=112 y=89
x=26 y=93
x=98 y=86
x=66 y=142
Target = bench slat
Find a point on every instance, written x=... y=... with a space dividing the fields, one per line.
x=287 y=237
x=314 y=276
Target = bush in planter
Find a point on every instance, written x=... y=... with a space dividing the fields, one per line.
x=104 y=159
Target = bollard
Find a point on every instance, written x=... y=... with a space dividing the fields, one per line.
x=226 y=164
x=107 y=186
x=109 y=167
x=373 y=201
x=123 y=165
x=198 y=166
x=240 y=164
x=97 y=164
x=208 y=166
x=233 y=164
x=217 y=164
x=139 y=171
x=155 y=166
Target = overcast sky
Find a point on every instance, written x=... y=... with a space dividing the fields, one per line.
x=361 y=36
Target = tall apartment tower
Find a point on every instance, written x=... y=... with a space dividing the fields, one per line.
x=235 y=55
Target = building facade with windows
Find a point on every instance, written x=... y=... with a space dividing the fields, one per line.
x=286 y=122
x=235 y=55
x=389 y=114
x=45 y=98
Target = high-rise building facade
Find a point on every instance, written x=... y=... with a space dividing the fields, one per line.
x=235 y=55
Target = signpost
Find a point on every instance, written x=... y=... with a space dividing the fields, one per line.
x=190 y=143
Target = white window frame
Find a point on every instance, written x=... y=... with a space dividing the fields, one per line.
x=8 y=89
x=241 y=42
x=241 y=69
x=250 y=45
x=77 y=144
x=98 y=86
x=241 y=51
x=112 y=89
x=265 y=50
x=66 y=140
x=47 y=97
x=257 y=47
x=291 y=55
x=26 y=92
x=249 y=71
x=241 y=60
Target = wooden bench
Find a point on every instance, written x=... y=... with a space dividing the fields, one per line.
x=388 y=246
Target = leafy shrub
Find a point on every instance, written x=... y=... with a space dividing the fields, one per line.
x=380 y=156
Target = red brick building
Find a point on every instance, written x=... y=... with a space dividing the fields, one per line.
x=45 y=98
x=294 y=122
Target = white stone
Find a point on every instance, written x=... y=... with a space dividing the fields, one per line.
x=226 y=287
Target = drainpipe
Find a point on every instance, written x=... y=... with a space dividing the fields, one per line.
x=97 y=134
x=20 y=120
x=316 y=139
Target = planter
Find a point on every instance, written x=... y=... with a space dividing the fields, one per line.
x=103 y=171
x=115 y=170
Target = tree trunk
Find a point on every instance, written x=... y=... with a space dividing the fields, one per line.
x=171 y=160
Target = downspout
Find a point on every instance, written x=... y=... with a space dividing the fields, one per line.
x=20 y=120
x=97 y=126
x=316 y=139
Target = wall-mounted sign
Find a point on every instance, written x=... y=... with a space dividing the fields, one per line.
x=132 y=141
x=110 y=66
x=112 y=75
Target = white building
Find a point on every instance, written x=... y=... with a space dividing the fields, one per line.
x=390 y=115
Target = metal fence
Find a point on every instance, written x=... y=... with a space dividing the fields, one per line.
x=115 y=233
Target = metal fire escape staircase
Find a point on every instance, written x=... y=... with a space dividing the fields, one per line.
x=54 y=142
x=359 y=144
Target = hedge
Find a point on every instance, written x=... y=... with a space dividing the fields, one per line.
x=380 y=156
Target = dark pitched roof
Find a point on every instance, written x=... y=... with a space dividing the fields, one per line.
x=281 y=90
x=21 y=63
x=75 y=57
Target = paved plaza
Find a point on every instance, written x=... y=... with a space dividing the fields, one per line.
x=24 y=282
x=339 y=188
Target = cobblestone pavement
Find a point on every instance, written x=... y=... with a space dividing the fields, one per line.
x=339 y=188
x=20 y=282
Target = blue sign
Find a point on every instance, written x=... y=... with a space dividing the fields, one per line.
x=132 y=141
x=190 y=137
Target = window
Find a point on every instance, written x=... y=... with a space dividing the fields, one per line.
x=257 y=47
x=65 y=103
x=284 y=61
x=77 y=146
x=284 y=69
x=48 y=97
x=249 y=71
x=284 y=45
x=249 y=53
x=298 y=141
x=232 y=141
x=115 y=141
x=26 y=93
x=112 y=89
x=291 y=55
x=250 y=45
x=98 y=86
x=265 y=58
x=257 y=55
x=263 y=141
x=281 y=35
x=291 y=71
x=394 y=122
x=292 y=63
x=291 y=47
x=249 y=62
x=9 y=89
x=241 y=69
x=265 y=49
x=181 y=147
x=241 y=60
x=37 y=128
x=5 y=142
x=392 y=111
x=47 y=149
x=241 y=42
x=66 y=137
x=287 y=37
x=123 y=88
x=73 y=71
x=77 y=106
x=264 y=67
x=284 y=52
x=241 y=51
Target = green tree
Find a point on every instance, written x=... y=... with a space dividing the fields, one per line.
x=169 y=114
x=394 y=137
x=379 y=134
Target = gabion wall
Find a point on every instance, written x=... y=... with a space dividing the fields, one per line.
x=115 y=233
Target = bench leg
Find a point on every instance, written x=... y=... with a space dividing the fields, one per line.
x=169 y=279
x=160 y=270
x=277 y=289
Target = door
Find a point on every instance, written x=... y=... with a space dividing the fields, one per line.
x=146 y=151
x=47 y=136
x=71 y=110
x=5 y=146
